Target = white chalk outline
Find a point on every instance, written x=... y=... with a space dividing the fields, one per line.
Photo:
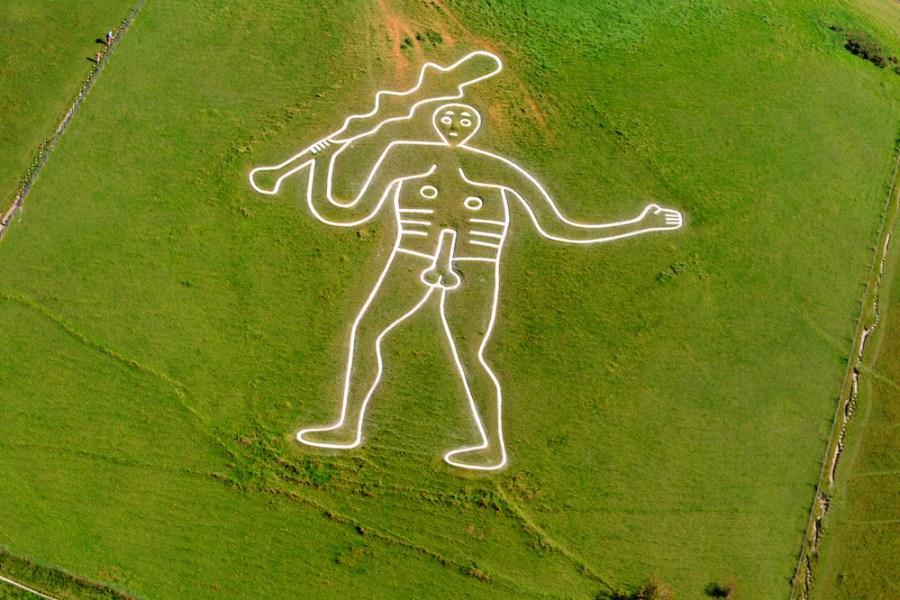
x=336 y=136
x=446 y=248
x=473 y=203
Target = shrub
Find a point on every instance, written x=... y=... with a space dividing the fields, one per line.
x=654 y=589
x=722 y=590
x=866 y=47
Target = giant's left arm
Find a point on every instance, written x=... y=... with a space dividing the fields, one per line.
x=549 y=220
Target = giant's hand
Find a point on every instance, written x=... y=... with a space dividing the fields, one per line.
x=657 y=218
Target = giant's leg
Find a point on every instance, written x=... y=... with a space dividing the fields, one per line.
x=468 y=314
x=398 y=294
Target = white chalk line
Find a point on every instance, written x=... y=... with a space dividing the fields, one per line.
x=378 y=96
x=413 y=252
x=349 y=374
x=26 y=588
x=456 y=124
x=475 y=413
x=498 y=236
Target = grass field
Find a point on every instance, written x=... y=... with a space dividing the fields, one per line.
x=862 y=524
x=45 y=59
x=164 y=330
x=860 y=528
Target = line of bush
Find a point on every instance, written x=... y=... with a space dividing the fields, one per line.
x=863 y=45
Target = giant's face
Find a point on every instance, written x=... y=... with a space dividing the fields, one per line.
x=456 y=123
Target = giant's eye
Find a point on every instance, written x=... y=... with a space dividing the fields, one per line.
x=446 y=120
x=465 y=122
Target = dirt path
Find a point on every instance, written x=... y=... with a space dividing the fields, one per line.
x=402 y=30
x=50 y=144
x=26 y=588
x=399 y=30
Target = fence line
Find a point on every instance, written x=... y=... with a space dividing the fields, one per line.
x=857 y=347
x=26 y=588
x=43 y=154
x=50 y=144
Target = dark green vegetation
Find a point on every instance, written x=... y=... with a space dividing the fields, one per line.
x=651 y=590
x=163 y=330
x=864 y=46
x=50 y=581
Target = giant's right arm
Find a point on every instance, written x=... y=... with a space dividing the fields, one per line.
x=321 y=161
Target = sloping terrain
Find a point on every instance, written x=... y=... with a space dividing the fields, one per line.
x=164 y=330
x=44 y=61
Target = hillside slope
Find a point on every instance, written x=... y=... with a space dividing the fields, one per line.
x=165 y=330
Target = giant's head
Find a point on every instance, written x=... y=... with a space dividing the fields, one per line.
x=456 y=123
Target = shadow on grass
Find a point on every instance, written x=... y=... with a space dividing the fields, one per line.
x=728 y=589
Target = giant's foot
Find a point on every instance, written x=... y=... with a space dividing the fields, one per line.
x=479 y=458
x=334 y=436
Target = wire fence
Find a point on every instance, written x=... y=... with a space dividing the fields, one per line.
x=47 y=147
x=50 y=144
x=803 y=572
x=25 y=587
x=44 y=151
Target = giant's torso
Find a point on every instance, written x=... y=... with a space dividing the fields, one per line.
x=427 y=204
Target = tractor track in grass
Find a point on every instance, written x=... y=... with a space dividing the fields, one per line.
x=802 y=581
x=47 y=147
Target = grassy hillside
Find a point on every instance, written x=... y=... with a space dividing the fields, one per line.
x=164 y=329
x=44 y=60
x=861 y=527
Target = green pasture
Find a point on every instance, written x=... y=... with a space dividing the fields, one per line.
x=861 y=531
x=46 y=49
x=164 y=330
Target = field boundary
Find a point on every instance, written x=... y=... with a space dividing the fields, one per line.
x=867 y=321
x=47 y=147
x=25 y=587
x=53 y=579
